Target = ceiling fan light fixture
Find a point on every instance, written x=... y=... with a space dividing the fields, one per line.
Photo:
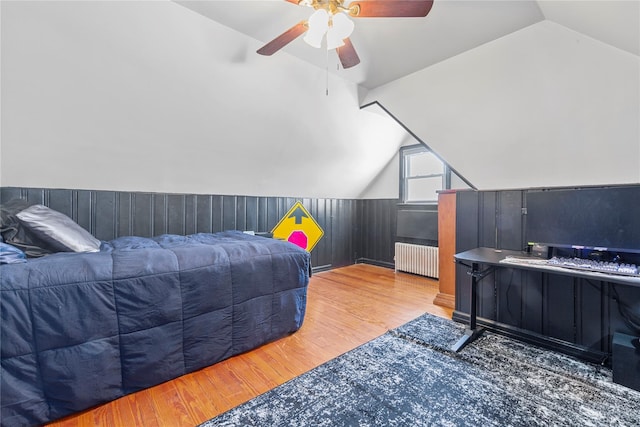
x=331 y=17
x=340 y=29
x=354 y=10
x=318 y=26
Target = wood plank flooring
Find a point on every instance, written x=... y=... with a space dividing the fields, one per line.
x=346 y=307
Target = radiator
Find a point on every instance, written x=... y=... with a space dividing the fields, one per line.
x=417 y=259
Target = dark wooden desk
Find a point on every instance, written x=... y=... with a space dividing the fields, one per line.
x=483 y=261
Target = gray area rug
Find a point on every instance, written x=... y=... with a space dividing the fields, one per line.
x=409 y=377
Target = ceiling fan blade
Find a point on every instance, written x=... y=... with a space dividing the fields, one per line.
x=293 y=1
x=283 y=39
x=390 y=8
x=347 y=54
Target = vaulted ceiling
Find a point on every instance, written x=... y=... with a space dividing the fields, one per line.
x=512 y=94
x=390 y=48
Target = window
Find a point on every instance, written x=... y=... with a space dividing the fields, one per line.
x=422 y=174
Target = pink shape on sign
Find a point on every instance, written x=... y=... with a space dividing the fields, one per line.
x=298 y=238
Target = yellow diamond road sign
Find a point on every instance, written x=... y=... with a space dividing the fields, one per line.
x=298 y=227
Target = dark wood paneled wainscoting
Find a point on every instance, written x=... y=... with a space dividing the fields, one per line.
x=354 y=230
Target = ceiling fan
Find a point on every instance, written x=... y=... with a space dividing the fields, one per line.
x=330 y=20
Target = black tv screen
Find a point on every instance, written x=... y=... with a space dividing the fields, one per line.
x=590 y=218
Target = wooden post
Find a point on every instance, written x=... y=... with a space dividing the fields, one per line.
x=446 y=249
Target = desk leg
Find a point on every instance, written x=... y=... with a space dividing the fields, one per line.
x=473 y=331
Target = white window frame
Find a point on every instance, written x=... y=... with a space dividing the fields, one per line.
x=405 y=173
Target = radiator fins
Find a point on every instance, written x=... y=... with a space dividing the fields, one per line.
x=417 y=259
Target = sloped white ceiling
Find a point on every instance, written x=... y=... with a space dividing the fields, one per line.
x=156 y=96
x=391 y=48
x=616 y=23
x=150 y=96
x=543 y=107
x=559 y=107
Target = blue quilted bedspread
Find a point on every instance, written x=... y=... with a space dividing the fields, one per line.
x=80 y=329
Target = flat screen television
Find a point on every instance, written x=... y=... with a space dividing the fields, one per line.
x=604 y=219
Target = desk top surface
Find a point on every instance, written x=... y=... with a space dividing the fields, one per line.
x=497 y=257
x=488 y=255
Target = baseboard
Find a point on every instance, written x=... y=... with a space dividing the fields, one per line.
x=375 y=262
x=445 y=300
x=319 y=268
x=539 y=340
x=327 y=267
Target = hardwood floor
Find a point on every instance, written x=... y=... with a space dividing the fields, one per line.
x=346 y=307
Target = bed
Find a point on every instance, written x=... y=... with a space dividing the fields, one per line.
x=83 y=328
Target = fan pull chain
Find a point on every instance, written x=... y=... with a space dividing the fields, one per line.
x=326 y=62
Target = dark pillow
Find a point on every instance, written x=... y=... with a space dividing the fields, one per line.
x=10 y=254
x=57 y=229
x=14 y=233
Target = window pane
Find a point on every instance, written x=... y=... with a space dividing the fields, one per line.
x=423 y=189
x=424 y=164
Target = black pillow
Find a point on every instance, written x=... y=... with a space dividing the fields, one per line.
x=14 y=233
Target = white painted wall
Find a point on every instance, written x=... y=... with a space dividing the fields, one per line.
x=150 y=96
x=544 y=106
x=387 y=184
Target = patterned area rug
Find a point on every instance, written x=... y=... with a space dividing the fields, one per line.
x=409 y=377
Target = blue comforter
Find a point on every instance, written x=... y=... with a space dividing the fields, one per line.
x=82 y=329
